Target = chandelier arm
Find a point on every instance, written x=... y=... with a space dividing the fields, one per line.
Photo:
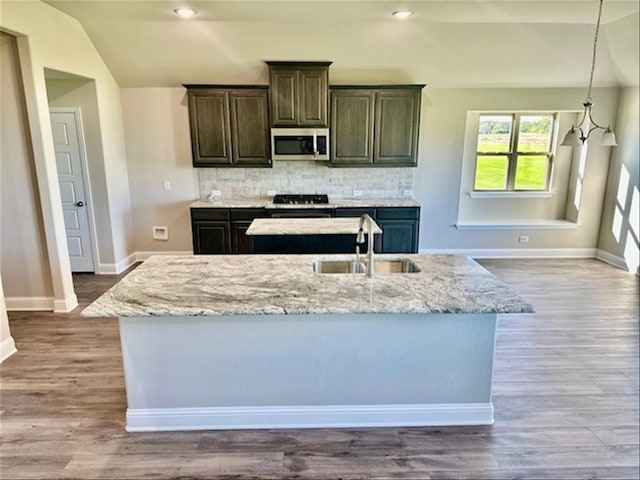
x=582 y=119
x=593 y=123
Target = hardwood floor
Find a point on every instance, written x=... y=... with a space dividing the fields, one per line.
x=565 y=393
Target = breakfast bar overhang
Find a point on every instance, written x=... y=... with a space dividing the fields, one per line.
x=262 y=341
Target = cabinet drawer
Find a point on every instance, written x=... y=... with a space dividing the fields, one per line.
x=247 y=213
x=209 y=214
x=355 y=212
x=398 y=213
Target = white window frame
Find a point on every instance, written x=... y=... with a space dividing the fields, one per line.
x=512 y=156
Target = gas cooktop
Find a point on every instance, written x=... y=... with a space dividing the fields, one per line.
x=303 y=199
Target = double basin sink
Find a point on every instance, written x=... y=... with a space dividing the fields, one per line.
x=380 y=267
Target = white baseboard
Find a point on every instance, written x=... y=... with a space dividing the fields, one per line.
x=330 y=416
x=612 y=259
x=19 y=304
x=66 y=305
x=7 y=348
x=517 y=252
x=124 y=264
x=118 y=267
x=36 y=304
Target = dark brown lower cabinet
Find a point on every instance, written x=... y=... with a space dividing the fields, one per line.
x=400 y=227
x=223 y=231
x=211 y=237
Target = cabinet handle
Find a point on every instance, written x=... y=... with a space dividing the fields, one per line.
x=80 y=204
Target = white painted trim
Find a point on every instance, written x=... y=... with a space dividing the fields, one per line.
x=25 y=304
x=519 y=225
x=124 y=264
x=118 y=267
x=7 y=348
x=66 y=305
x=314 y=416
x=509 y=195
x=612 y=259
x=516 y=252
x=46 y=176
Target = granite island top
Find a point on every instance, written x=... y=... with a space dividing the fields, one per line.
x=209 y=285
x=307 y=226
x=262 y=202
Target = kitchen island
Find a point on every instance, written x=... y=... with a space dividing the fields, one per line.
x=262 y=341
x=307 y=235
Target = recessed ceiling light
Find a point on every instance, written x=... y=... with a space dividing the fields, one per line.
x=185 y=12
x=402 y=14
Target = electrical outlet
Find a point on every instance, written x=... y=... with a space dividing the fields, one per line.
x=523 y=238
x=166 y=185
x=357 y=193
x=215 y=193
x=271 y=193
x=160 y=233
x=407 y=193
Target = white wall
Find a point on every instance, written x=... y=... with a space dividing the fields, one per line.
x=82 y=93
x=439 y=172
x=23 y=254
x=620 y=230
x=158 y=149
x=47 y=38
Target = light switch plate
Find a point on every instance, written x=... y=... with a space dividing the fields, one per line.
x=357 y=193
x=407 y=193
x=166 y=185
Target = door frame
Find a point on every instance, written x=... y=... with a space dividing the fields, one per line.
x=84 y=168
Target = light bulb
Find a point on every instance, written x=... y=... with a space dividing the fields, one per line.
x=402 y=14
x=185 y=12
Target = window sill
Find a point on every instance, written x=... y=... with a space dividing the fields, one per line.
x=519 y=225
x=503 y=195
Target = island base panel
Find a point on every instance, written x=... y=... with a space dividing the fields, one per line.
x=308 y=371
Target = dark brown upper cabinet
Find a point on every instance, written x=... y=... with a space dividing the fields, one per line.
x=299 y=94
x=375 y=125
x=229 y=126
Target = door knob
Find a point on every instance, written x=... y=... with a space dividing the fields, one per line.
x=80 y=204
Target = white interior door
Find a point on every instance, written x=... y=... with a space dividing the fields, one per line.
x=69 y=157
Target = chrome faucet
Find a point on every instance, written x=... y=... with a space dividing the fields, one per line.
x=360 y=239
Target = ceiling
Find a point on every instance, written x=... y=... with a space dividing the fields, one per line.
x=449 y=43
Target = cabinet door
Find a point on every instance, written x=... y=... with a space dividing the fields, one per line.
x=210 y=129
x=400 y=229
x=284 y=85
x=250 y=127
x=211 y=237
x=352 y=122
x=399 y=236
x=313 y=101
x=396 y=127
x=240 y=242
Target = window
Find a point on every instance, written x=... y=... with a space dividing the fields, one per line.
x=514 y=152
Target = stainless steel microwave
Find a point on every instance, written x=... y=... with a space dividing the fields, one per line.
x=300 y=143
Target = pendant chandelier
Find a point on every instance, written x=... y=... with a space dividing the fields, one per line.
x=579 y=134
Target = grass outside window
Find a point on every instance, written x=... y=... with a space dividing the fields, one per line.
x=514 y=152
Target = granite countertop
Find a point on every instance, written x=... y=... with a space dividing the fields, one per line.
x=211 y=285
x=307 y=226
x=262 y=202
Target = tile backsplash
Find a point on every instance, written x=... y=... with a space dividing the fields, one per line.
x=305 y=177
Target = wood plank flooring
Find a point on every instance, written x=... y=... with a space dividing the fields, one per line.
x=565 y=393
